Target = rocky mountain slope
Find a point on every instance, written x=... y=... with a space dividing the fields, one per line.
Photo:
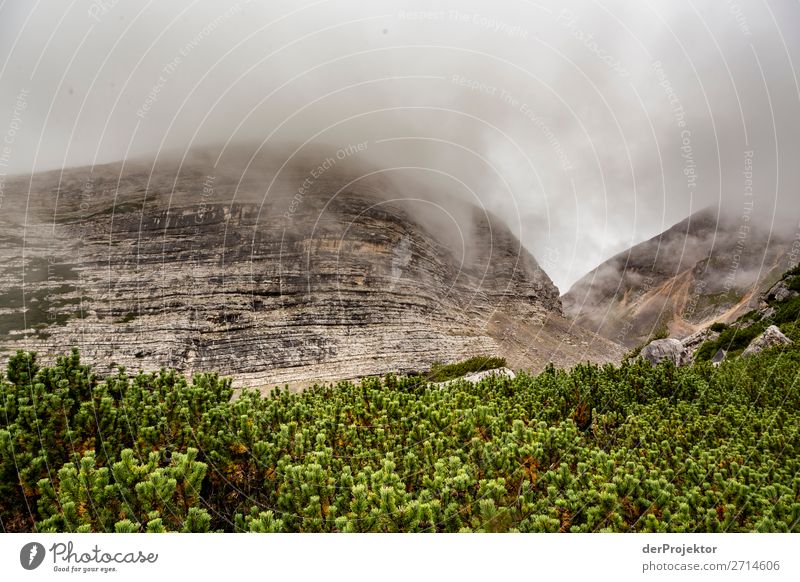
x=701 y=270
x=775 y=322
x=311 y=271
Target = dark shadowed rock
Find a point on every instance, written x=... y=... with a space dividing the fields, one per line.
x=662 y=350
x=771 y=337
x=781 y=292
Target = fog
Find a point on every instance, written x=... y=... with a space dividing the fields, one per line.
x=586 y=126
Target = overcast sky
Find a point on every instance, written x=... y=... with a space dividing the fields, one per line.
x=587 y=126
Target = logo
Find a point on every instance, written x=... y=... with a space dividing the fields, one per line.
x=31 y=555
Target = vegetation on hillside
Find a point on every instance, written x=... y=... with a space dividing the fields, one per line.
x=443 y=372
x=595 y=448
x=736 y=337
x=630 y=448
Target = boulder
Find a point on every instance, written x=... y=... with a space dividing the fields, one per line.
x=693 y=342
x=771 y=337
x=476 y=377
x=767 y=313
x=499 y=372
x=780 y=292
x=663 y=350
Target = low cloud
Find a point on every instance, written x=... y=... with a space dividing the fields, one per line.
x=586 y=127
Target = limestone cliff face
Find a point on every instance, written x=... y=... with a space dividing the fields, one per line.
x=701 y=270
x=272 y=282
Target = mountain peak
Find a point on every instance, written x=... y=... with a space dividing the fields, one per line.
x=273 y=274
x=705 y=268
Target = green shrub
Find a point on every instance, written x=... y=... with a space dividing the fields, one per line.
x=733 y=340
x=596 y=448
x=443 y=372
x=793 y=283
x=787 y=311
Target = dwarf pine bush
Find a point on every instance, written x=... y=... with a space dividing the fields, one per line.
x=592 y=449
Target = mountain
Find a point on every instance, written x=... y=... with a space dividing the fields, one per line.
x=273 y=273
x=704 y=269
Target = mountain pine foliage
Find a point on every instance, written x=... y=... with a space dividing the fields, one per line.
x=593 y=449
x=630 y=448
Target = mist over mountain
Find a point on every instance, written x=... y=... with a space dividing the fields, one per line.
x=271 y=272
x=520 y=267
x=586 y=128
x=704 y=269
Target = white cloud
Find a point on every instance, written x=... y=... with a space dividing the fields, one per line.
x=553 y=114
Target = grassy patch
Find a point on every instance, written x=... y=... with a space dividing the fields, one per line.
x=735 y=339
x=444 y=372
x=732 y=340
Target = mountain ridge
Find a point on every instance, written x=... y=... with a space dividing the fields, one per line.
x=228 y=267
x=703 y=269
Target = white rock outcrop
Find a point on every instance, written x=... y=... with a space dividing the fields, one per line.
x=771 y=337
x=478 y=376
x=662 y=350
